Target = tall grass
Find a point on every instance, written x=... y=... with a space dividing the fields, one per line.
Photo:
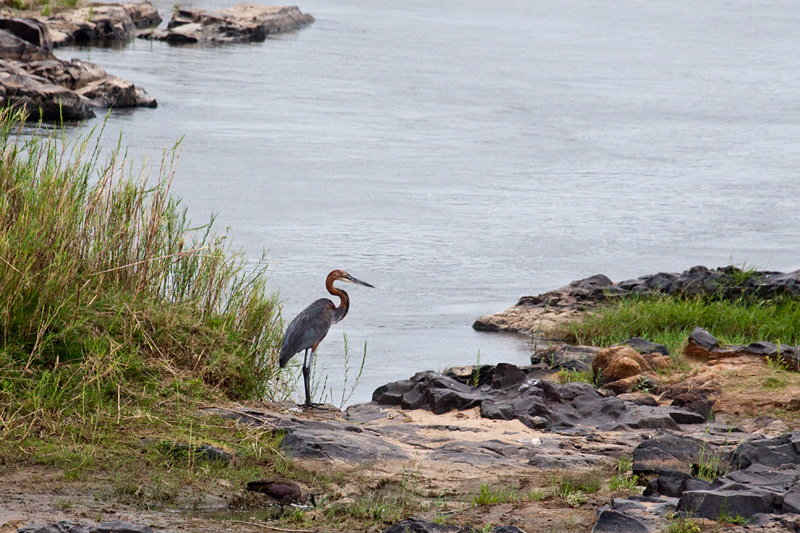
x=668 y=320
x=109 y=299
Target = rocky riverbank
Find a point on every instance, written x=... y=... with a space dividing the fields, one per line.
x=541 y=315
x=645 y=447
x=32 y=78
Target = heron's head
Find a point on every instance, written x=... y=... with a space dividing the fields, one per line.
x=344 y=276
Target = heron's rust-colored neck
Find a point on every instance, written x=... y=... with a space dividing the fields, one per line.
x=344 y=304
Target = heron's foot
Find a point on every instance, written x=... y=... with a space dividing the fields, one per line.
x=311 y=405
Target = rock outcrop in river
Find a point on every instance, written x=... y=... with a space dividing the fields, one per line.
x=539 y=315
x=48 y=88
x=237 y=24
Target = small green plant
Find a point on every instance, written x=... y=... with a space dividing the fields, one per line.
x=575 y=376
x=346 y=395
x=566 y=482
x=708 y=465
x=534 y=495
x=622 y=479
x=732 y=518
x=680 y=524
x=576 y=498
x=475 y=380
x=46 y=9
x=777 y=363
x=491 y=496
x=645 y=384
x=774 y=383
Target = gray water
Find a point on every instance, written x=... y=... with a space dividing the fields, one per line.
x=459 y=155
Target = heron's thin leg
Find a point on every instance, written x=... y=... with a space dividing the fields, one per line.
x=307 y=376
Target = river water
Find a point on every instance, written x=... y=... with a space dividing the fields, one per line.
x=459 y=155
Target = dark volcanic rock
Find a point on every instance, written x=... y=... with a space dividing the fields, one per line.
x=507 y=377
x=419 y=525
x=669 y=451
x=611 y=521
x=769 y=452
x=717 y=503
x=341 y=444
x=566 y=357
x=673 y=483
x=644 y=346
x=534 y=402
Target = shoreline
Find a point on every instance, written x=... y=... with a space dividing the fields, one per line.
x=48 y=88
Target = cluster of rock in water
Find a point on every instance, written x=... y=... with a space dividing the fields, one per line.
x=32 y=78
x=580 y=295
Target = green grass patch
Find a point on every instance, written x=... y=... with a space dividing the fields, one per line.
x=488 y=495
x=567 y=482
x=679 y=524
x=119 y=319
x=575 y=376
x=623 y=479
x=669 y=321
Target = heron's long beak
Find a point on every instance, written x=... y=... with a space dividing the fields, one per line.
x=351 y=279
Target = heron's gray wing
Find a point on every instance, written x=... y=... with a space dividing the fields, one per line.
x=307 y=329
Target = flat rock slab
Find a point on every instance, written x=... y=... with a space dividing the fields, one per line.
x=455 y=445
x=237 y=24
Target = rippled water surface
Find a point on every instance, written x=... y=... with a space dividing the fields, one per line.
x=459 y=155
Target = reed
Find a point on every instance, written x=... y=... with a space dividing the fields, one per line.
x=110 y=301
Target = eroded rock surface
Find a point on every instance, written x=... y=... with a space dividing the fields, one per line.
x=243 y=22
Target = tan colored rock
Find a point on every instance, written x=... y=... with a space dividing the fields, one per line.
x=623 y=386
x=621 y=367
x=657 y=361
x=695 y=352
x=539 y=321
x=603 y=359
x=101 y=22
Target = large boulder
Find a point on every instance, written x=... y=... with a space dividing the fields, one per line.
x=39 y=98
x=13 y=47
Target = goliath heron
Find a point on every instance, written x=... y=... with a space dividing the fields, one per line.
x=308 y=328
